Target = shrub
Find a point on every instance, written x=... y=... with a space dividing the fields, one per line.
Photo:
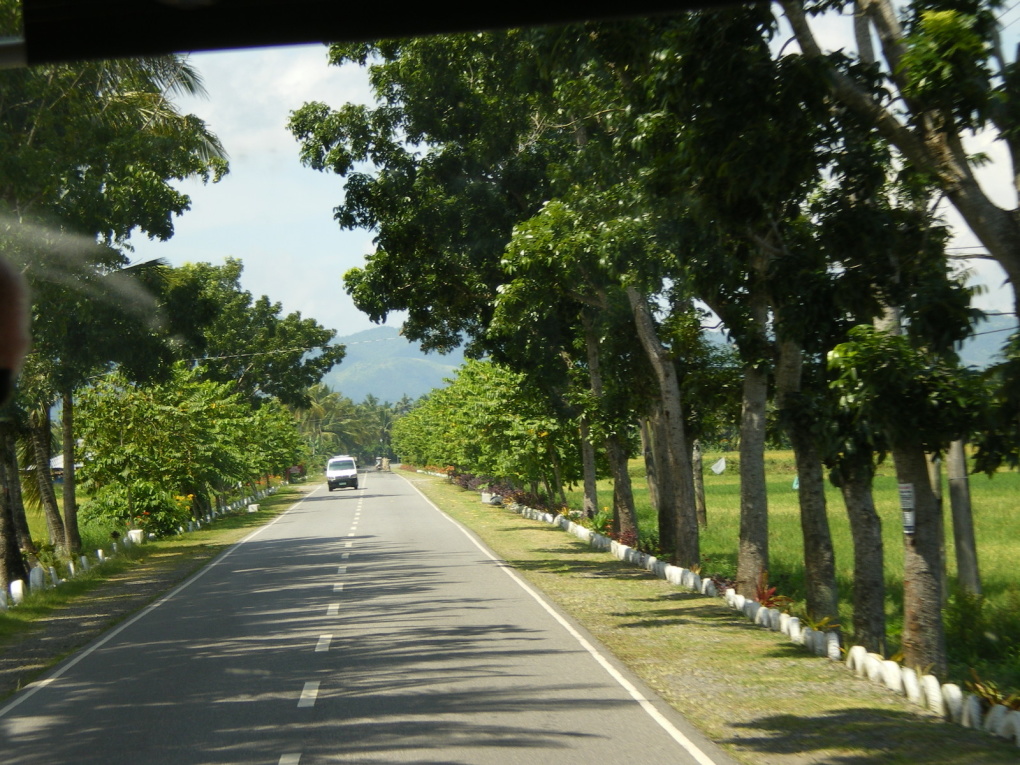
x=142 y=505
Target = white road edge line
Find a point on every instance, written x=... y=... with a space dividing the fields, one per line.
x=655 y=714
x=34 y=688
x=323 y=645
x=308 y=695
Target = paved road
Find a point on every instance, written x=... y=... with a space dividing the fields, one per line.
x=360 y=626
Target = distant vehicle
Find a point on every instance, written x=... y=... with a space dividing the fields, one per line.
x=341 y=471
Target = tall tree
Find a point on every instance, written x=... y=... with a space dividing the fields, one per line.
x=89 y=154
x=249 y=344
x=922 y=404
x=944 y=65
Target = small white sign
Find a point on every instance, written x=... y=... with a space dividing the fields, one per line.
x=907 y=506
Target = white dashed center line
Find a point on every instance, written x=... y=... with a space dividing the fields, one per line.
x=323 y=645
x=308 y=695
x=349 y=544
x=341 y=569
x=338 y=587
x=333 y=609
x=292 y=758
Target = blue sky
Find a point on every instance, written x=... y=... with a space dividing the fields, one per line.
x=270 y=211
x=276 y=215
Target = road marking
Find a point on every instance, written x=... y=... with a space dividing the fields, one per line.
x=308 y=695
x=341 y=569
x=34 y=688
x=345 y=556
x=323 y=645
x=292 y=758
x=333 y=609
x=348 y=544
x=350 y=535
x=676 y=734
x=338 y=587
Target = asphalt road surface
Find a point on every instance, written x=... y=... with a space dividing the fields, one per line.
x=360 y=626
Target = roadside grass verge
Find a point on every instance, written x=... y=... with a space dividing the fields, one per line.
x=186 y=552
x=764 y=699
x=984 y=636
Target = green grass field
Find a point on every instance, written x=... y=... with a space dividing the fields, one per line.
x=984 y=635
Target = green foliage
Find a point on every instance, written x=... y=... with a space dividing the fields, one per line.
x=333 y=424
x=999 y=440
x=450 y=173
x=249 y=345
x=148 y=450
x=981 y=635
x=137 y=504
x=945 y=63
x=488 y=422
x=911 y=394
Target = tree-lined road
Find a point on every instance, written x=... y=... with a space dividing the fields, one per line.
x=360 y=626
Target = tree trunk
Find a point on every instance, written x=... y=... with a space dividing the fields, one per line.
x=819 y=557
x=658 y=456
x=935 y=479
x=10 y=458
x=963 y=521
x=40 y=434
x=624 y=517
x=591 y=496
x=12 y=564
x=869 y=558
x=71 y=535
x=687 y=552
x=753 y=550
x=554 y=460
x=924 y=642
x=699 y=485
x=648 y=453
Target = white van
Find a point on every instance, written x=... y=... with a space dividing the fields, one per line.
x=341 y=471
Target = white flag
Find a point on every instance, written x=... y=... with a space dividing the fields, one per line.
x=719 y=466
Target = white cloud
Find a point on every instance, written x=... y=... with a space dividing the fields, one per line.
x=271 y=212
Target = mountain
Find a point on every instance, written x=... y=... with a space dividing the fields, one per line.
x=381 y=362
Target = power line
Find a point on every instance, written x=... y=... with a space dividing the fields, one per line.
x=261 y=353
x=291 y=350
